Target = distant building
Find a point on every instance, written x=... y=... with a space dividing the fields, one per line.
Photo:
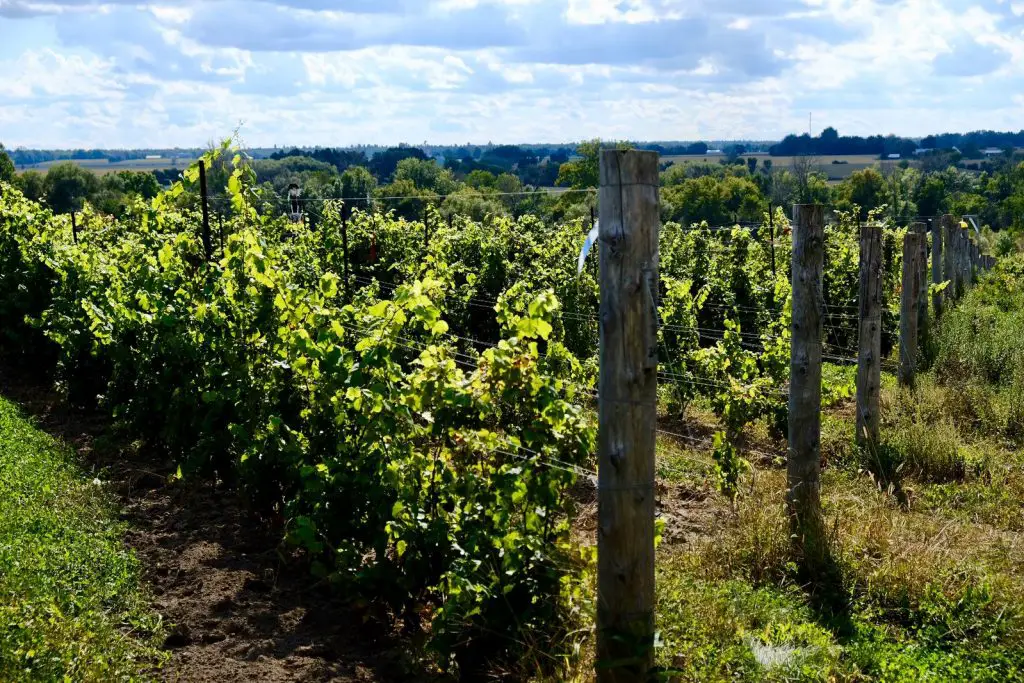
x=923 y=150
x=153 y=156
x=991 y=151
x=893 y=156
x=715 y=151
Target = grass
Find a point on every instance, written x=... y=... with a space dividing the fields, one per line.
x=70 y=602
x=926 y=531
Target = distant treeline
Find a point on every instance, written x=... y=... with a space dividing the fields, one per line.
x=830 y=143
x=27 y=157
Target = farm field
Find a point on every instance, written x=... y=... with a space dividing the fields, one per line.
x=409 y=406
x=103 y=166
x=823 y=164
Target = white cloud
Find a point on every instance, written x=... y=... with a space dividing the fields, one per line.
x=121 y=72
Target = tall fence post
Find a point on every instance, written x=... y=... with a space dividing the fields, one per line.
x=922 y=282
x=910 y=291
x=961 y=249
x=869 y=357
x=803 y=496
x=627 y=414
x=949 y=237
x=74 y=228
x=207 y=246
x=938 y=234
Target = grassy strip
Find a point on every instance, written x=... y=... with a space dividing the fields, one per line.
x=926 y=539
x=70 y=604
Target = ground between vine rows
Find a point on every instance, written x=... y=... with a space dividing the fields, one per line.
x=239 y=607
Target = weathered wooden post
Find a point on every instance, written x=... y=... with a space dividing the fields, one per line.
x=910 y=290
x=803 y=470
x=869 y=357
x=627 y=414
x=962 y=280
x=922 y=281
x=74 y=228
x=204 y=195
x=938 y=233
x=949 y=237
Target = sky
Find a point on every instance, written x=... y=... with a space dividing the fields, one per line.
x=126 y=73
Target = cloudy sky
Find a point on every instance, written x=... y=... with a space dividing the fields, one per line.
x=126 y=73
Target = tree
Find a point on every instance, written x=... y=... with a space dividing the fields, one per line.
x=865 y=189
x=384 y=164
x=811 y=185
x=480 y=179
x=585 y=171
x=714 y=200
x=931 y=196
x=357 y=182
x=425 y=175
x=32 y=185
x=7 y=170
x=68 y=185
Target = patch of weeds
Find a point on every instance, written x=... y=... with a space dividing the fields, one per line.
x=732 y=630
x=838 y=384
x=70 y=603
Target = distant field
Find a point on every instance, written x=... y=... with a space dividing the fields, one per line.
x=102 y=166
x=837 y=171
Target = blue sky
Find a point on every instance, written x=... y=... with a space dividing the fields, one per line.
x=125 y=73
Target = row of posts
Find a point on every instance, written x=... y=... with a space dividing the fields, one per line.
x=628 y=237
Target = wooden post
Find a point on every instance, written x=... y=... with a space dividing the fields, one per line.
x=910 y=291
x=937 y=238
x=961 y=257
x=771 y=235
x=627 y=414
x=803 y=495
x=204 y=194
x=344 y=246
x=949 y=237
x=74 y=229
x=869 y=358
x=922 y=282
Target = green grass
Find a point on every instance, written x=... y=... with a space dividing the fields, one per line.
x=70 y=601
x=926 y=532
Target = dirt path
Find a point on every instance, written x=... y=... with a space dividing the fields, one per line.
x=240 y=609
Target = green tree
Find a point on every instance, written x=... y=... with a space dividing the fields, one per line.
x=7 y=170
x=357 y=182
x=68 y=185
x=479 y=179
x=931 y=196
x=583 y=172
x=865 y=189
x=426 y=175
x=32 y=184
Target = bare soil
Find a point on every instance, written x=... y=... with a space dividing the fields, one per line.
x=238 y=605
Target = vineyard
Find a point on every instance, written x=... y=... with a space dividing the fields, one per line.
x=415 y=403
